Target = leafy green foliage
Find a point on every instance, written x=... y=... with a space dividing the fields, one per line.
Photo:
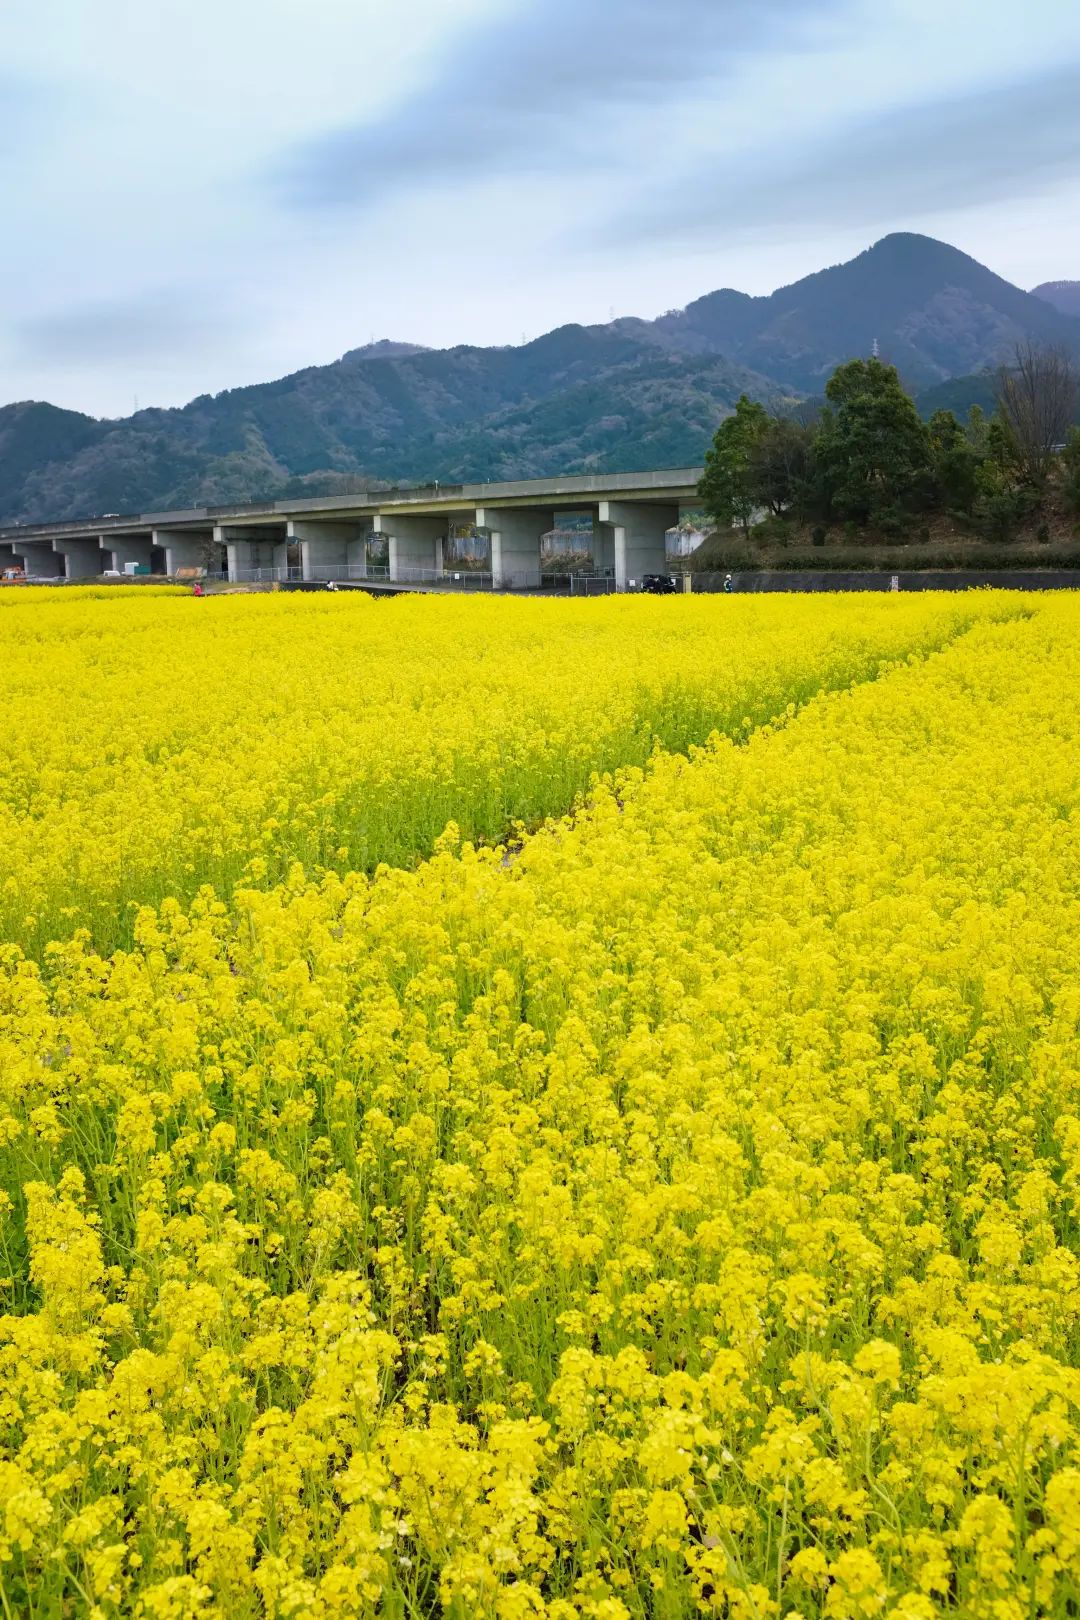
x=872 y=467
x=873 y=449
x=1070 y=458
x=1001 y=512
x=729 y=484
x=782 y=464
x=955 y=461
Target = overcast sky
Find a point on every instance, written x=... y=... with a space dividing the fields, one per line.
x=203 y=193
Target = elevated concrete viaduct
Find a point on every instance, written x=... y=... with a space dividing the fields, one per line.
x=638 y=536
x=38 y=559
x=416 y=544
x=252 y=550
x=329 y=549
x=127 y=548
x=81 y=559
x=185 y=548
x=631 y=513
x=515 y=533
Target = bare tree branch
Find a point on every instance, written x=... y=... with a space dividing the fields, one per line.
x=1037 y=396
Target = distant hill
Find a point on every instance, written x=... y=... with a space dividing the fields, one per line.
x=934 y=311
x=385 y=349
x=1064 y=295
x=575 y=400
x=630 y=394
x=959 y=394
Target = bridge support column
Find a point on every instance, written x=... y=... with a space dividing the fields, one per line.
x=415 y=543
x=80 y=559
x=126 y=549
x=10 y=555
x=603 y=548
x=252 y=556
x=515 y=533
x=185 y=549
x=639 y=537
x=39 y=558
x=331 y=550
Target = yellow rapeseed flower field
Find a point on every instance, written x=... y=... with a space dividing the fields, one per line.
x=155 y=745
x=668 y=1210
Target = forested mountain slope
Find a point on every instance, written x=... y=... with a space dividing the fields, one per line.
x=617 y=397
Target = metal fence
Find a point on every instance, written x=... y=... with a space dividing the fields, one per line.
x=450 y=579
x=337 y=571
x=251 y=576
x=579 y=583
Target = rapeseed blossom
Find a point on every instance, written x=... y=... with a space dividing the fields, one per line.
x=155 y=745
x=669 y=1211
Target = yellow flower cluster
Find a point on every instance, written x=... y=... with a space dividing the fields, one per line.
x=155 y=745
x=670 y=1212
x=49 y=596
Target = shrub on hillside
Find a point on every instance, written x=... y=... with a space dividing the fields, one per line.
x=1002 y=513
x=1070 y=460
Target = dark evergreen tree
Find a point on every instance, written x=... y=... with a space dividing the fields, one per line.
x=872 y=454
x=727 y=486
x=955 y=462
x=781 y=465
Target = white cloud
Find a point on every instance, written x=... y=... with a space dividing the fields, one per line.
x=474 y=157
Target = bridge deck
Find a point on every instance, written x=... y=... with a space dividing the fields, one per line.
x=565 y=494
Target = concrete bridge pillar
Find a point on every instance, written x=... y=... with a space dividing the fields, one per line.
x=39 y=558
x=80 y=559
x=515 y=533
x=603 y=548
x=415 y=543
x=125 y=548
x=331 y=550
x=638 y=537
x=250 y=555
x=184 y=548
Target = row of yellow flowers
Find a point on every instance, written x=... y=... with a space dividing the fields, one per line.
x=673 y=1212
x=153 y=745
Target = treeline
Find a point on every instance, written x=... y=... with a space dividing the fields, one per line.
x=868 y=463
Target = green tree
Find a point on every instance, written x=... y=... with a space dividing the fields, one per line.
x=1001 y=448
x=872 y=454
x=727 y=486
x=977 y=429
x=1070 y=462
x=998 y=469
x=955 y=462
x=1004 y=501
x=781 y=465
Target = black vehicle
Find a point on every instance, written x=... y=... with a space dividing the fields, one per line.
x=658 y=584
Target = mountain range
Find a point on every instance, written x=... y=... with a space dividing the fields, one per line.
x=627 y=395
x=1064 y=295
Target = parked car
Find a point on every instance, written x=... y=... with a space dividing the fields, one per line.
x=658 y=584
